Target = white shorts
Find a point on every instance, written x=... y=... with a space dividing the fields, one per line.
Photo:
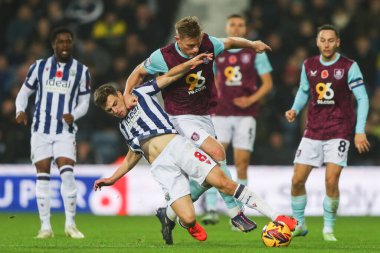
x=316 y=152
x=176 y=163
x=240 y=129
x=194 y=127
x=46 y=145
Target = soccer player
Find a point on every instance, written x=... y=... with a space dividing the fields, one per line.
x=149 y=133
x=328 y=81
x=189 y=100
x=62 y=85
x=237 y=73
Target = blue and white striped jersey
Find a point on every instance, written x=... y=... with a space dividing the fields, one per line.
x=147 y=119
x=58 y=86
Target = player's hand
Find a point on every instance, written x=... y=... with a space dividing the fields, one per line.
x=130 y=101
x=68 y=118
x=361 y=143
x=199 y=59
x=102 y=182
x=260 y=46
x=22 y=118
x=242 y=102
x=290 y=115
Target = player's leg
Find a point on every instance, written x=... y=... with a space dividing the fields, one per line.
x=299 y=197
x=223 y=130
x=218 y=179
x=43 y=197
x=242 y=141
x=64 y=153
x=335 y=157
x=185 y=211
x=331 y=200
x=308 y=155
x=41 y=155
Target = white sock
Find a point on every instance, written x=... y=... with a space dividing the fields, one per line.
x=171 y=214
x=43 y=199
x=251 y=200
x=69 y=193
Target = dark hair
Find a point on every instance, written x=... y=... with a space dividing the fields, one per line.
x=188 y=26
x=236 y=16
x=101 y=94
x=60 y=30
x=328 y=27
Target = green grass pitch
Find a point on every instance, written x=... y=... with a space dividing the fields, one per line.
x=142 y=234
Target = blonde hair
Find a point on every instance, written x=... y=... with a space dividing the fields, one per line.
x=188 y=26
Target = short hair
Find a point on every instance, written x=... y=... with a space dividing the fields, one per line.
x=328 y=27
x=101 y=94
x=188 y=26
x=236 y=16
x=60 y=30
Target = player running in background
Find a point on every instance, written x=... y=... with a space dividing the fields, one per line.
x=149 y=133
x=237 y=73
x=62 y=85
x=328 y=81
x=189 y=100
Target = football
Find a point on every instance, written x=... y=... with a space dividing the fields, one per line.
x=276 y=234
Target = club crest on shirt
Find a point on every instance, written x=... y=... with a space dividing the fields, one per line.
x=221 y=59
x=195 y=136
x=324 y=74
x=245 y=58
x=338 y=73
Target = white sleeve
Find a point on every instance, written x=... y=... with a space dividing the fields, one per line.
x=82 y=106
x=22 y=98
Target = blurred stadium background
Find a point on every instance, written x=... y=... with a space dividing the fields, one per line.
x=112 y=37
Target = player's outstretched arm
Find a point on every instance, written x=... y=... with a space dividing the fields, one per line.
x=180 y=70
x=237 y=42
x=134 y=79
x=130 y=160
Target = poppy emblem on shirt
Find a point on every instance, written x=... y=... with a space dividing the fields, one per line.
x=324 y=74
x=58 y=74
x=338 y=73
x=232 y=59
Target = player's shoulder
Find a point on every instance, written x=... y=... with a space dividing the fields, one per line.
x=346 y=59
x=85 y=67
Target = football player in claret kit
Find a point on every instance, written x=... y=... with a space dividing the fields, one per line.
x=173 y=158
x=190 y=99
x=62 y=85
x=237 y=74
x=328 y=82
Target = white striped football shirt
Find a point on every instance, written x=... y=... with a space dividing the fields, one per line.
x=147 y=119
x=58 y=86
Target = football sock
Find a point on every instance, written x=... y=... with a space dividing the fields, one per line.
x=244 y=182
x=330 y=208
x=43 y=199
x=196 y=190
x=211 y=199
x=251 y=200
x=69 y=193
x=298 y=207
x=170 y=213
